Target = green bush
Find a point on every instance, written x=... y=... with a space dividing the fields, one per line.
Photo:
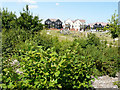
x=45 y=69
x=93 y=40
x=8 y=19
x=12 y=38
x=117 y=83
x=46 y=62
x=26 y=21
x=106 y=59
x=45 y=40
x=79 y=61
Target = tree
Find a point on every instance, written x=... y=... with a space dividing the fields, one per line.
x=113 y=26
x=29 y=22
x=8 y=19
x=26 y=21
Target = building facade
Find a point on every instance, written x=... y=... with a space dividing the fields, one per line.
x=68 y=24
x=53 y=23
x=76 y=24
x=98 y=25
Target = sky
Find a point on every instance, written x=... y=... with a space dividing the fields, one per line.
x=90 y=11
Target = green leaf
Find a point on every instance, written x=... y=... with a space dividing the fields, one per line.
x=51 y=84
x=36 y=82
x=87 y=76
x=59 y=85
x=46 y=73
x=10 y=85
x=96 y=77
x=76 y=77
x=55 y=81
x=57 y=73
x=5 y=69
x=93 y=79
x=82 y=56
x=89 y=82
x=3 y=85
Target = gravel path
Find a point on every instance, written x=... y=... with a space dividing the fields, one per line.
x=105 y=82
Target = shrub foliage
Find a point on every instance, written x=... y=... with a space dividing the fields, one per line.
x=42 y=62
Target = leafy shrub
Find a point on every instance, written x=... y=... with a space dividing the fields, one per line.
x=114 y=26
x=106 y=59
x=93 y=40
x=45 y=69
x=45 y=40
x=13 y=37
x=47 y=63
x=26 y=21
x=82 y=42
x=8 y=19
x=111 y=61
x=117 y=83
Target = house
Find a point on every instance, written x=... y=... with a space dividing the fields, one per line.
x=76 y=25
x=87 y=27
x=68 y=23
x=91 y=25
x=53 y=23
x=98 y=25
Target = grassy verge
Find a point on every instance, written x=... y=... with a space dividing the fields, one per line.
x=102 y=36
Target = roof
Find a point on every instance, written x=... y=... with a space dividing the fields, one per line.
x=102 y=23
x=53 y=20
x=67 y=20
x=81 y=20
x=91 y=24
x=73 y=21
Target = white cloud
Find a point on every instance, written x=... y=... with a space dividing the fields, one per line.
x=57 y=4
x=32 y=6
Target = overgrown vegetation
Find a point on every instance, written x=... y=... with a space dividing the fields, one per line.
x=46 y=63
x=113 y=26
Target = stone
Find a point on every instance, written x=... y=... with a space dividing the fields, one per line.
x=104 y=82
